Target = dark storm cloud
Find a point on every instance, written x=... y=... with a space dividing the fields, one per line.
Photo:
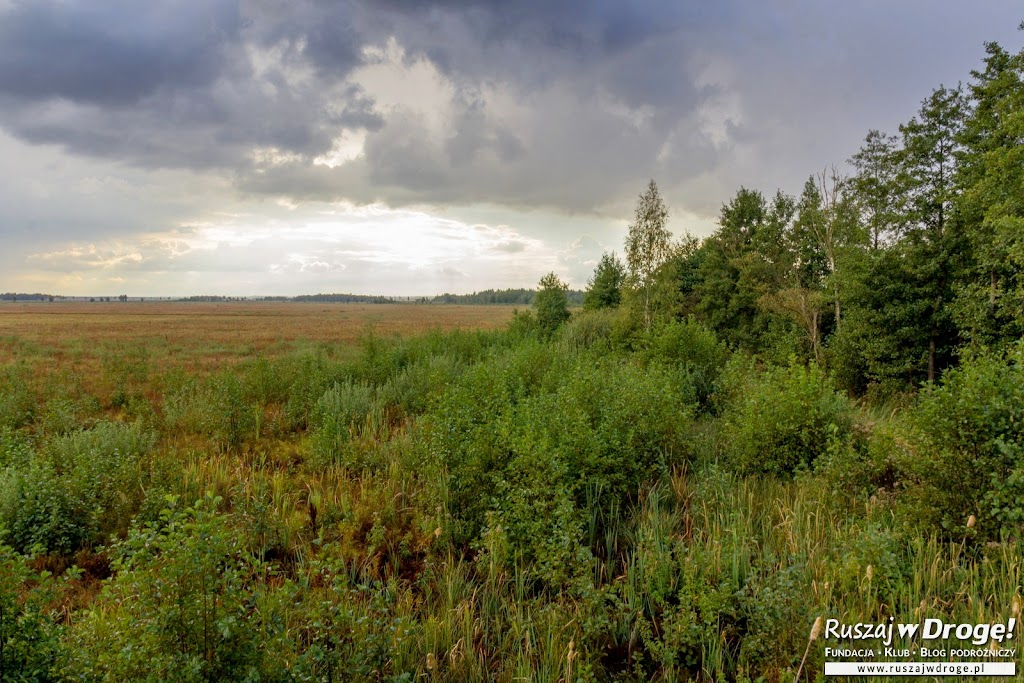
x=113 y=54
x=593 y=98
x=177 y=84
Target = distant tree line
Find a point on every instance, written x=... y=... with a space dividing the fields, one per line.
x=344 y=298
x=520 y=296
x=21 y=296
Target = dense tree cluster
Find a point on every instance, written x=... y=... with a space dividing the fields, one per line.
x=882 y=274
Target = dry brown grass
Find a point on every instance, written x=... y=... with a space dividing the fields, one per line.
x=206 y=335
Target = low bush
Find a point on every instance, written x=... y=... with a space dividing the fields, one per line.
x=785 y=420
x=215 y=408
x=969 y=454
x=180 y=608
x=17 y=400
x=340 y=413
x=695 y=352
x=30 y=639
x=525 y=453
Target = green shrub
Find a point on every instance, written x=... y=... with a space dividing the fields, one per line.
x=60 y=416
x=265 y=382
x=969 y=458
x=216 y=408
x=30 y=639
x=533 y=434
x=785 y=420
x=15 y=449
x=182 y=606
x=105 y=470
x=230 y=419
x=864 y=466
x=411 y=391
x=17 y=401
x=311 y=375
x=79 y=490
x=523 y=325
x=591 y=329
x=340 y=413
x=126 y=371
x=38 y=512
x=551 y=303
x=695 y=352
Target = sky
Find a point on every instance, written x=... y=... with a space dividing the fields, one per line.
x=407 y=147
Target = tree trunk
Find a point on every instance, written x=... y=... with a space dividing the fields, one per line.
x=931 y=357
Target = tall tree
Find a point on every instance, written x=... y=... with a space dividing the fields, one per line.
x=876 y=187
x=551 y=302
x=604 y=289
x=648 y=246
x=933 y=245
x=745 y=261
x=904 y=329
x=990 y=301
x=825 y=228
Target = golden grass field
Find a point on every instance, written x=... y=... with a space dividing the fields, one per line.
x=202 y=336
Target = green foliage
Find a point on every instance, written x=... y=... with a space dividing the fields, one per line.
x=17 y=401
x=648 y=247
x=536 y=435
x=970 y=454
x=82 y=488
x=340 y=413
x=787 y=419
x=663 y=490
x=865 y=466
x=593 y=329
x=551 y=303
x=216 y=408
x=181 y=607
x=697 y=354
x=310 y=376
x=126 y=370
x=30 y=639
x=604 y=289
x=38 y=512
x=989 y=306
x=746 y=259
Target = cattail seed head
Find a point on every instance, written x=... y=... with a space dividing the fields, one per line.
x=816 y=629
x=971 y=521
x=870 y=573
x=430 y=661
x=1015 y=605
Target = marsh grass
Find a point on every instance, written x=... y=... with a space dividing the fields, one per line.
x=466 y=506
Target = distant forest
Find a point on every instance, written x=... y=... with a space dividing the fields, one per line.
x=21 y=296
x=502 y=296
x=488 y=296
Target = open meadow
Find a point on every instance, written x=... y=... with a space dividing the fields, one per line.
x=287 y=492
x=202 y=336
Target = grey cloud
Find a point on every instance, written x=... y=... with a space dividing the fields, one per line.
x=177 y=84
x=113 y=53
x=703 y=96
x=510 y=246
